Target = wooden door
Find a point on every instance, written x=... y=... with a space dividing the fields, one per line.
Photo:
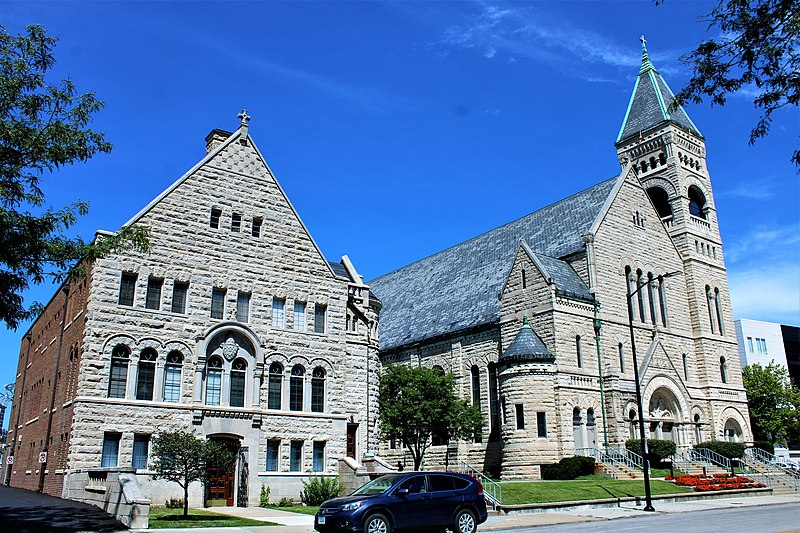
x=352 y=429
x=221 y=486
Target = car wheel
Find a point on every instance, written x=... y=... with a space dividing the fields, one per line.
x=377 y=523
x=465 y=522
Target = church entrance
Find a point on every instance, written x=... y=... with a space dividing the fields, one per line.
x=221 y=486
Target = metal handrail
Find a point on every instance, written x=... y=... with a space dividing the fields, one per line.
x=492 y=491
x=713 y=457
x=767 y=462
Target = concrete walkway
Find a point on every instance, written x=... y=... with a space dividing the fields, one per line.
x=298 y=523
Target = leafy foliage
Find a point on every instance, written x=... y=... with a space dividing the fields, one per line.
x=731 y=450
x=416 y=403
x=765 y=445
x=183 y=458
x=774 y=403
x=43 y=127
x=319 y=489
x=756 y=52
x=263 y=497
x=658 y=449
x=569 y=468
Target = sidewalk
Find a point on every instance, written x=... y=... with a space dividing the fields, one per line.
x=299 y=523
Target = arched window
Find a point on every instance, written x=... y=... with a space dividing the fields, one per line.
x=274 y=386
x=662 y=300
x=476 y=386
x=697 y=203
x=710 y=305
x=579 y=350
x=718 y=309
x=662 y=158
x=723 y=370
x=296 y=388
x=318 y=390
x=621 y=351
x=630 y=290
x=632 y=420
x=639 y=295
x=524 y=279
x=685 y=368
x=660 y=200
x=146 y=376
x=120 y=357
x=238 y=375
x=213 y=381
x=494 y=411
x=733 y=431
x=172 y=377
x=651 y=298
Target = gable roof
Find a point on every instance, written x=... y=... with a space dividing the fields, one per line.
x=239 y=135
x=458 y=288
x=649 y=104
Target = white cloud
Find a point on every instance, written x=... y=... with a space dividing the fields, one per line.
x=752 y=189
x=527 y=32
x=769 y=292
x=763 y=243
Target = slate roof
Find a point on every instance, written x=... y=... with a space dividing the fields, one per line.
x=527 y=347
x=568 y=281
x=339 y=270
x=458 y=288
x=650 y=103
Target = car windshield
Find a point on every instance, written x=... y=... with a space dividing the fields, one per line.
x=376 y=486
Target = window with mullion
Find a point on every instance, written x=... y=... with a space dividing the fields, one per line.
x=153 y=297
x=296 y=456
x=273 y=454
x=119 y=372
x=214 y=382
x=242 y=306
x=145 y=380
x=319 y=318
x=318 y=460
x=296 y=383
x=278 y=312
x=318 y=390
x=218 y=302
x=141 y=444
x=274 y=386
x=110 y=453
x=179 y=292
x=237 y=383
x=172 y=383
x=127 y=288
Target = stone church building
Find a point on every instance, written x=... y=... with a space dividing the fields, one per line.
x=237 y=328
x=532 y=317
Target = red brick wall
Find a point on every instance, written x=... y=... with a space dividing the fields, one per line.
x=34 y=388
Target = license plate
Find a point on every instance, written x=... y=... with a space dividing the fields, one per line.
x=321 y=520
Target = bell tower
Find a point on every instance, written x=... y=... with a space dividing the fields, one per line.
x=668 y=154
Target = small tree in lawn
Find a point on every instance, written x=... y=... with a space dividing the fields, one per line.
x=416 y=403
x=183 y=458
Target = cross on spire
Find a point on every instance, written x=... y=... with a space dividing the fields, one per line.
x=244 y=116
x=644 y=41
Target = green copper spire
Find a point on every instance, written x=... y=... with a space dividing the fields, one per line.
x=649 y=106
x=646 y=63
x=525 y=321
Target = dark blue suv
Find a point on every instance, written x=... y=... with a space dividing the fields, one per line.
x=411 y=501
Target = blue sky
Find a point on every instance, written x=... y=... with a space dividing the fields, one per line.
x=400 y=128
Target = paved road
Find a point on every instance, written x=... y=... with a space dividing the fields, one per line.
x=24 y=511
x=782 y=518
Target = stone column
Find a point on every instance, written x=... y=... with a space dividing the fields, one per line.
x=225 y=392
x=158 y=382
x=257 y=381
x=133 y=373
x=197 y=393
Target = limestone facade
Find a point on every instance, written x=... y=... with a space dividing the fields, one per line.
x=233 y=327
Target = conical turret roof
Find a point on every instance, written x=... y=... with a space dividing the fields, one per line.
x=650 y=104
x=527 y=347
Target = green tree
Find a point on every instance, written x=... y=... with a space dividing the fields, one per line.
x=756 y=51
x=183 y=458
x=774 y=403
x=43 y=127
x=416 y=403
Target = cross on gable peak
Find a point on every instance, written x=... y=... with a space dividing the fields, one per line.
x=244 y=116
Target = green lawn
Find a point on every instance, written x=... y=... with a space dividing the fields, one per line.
x=163 y=518
x=302 y=509
x=581 y=489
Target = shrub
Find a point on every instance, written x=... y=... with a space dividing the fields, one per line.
x=658 y=449
x=263 y=498
x=765 y=445
x=731 y=450
x=174 y=503
x=318 y=489
x=569 y=468
x=286 y=502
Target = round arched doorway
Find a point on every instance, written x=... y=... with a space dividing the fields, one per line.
x=664 y=413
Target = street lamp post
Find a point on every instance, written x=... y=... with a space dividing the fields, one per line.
x=642 y=435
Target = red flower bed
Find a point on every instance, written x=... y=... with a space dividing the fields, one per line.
x=715 y=482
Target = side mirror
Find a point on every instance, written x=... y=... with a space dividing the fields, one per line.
x=401 y=492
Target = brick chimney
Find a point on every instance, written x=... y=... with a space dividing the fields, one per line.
x=215 y=138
